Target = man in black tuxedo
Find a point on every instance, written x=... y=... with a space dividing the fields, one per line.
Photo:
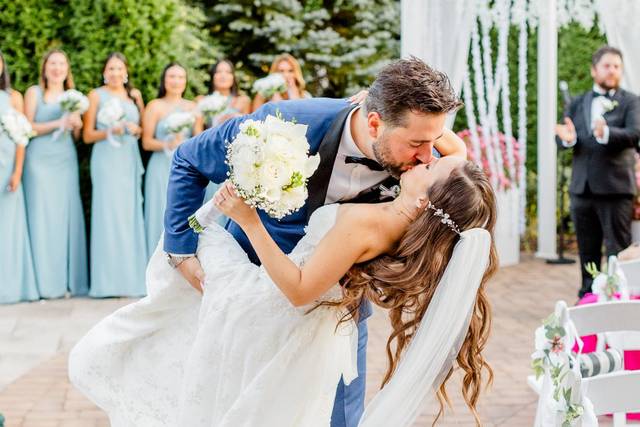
x=603 y=129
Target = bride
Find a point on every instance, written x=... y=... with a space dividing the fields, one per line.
x=266 y=346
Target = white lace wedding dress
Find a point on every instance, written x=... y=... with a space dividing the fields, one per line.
x=240 y=355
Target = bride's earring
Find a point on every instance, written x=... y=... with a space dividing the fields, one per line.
x=126 y=78
x=105 y=80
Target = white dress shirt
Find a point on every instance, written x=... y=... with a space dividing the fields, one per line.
x=349 y=179
x=598 y=110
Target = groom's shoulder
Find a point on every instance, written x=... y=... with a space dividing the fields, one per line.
x=311 y=110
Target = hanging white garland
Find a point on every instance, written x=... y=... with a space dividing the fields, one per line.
x=467 y=92
x=492 y=85
x=519 y=14
x=492 y=150
x=502 y=15
x=490 y=129
x=567 y=11
x=479 y=83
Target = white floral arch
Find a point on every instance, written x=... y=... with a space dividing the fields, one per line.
x=445 y=32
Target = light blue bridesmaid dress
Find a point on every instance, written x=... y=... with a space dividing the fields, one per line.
x=155 y=188
x=213 y=187
x=54 y=209
x=118 y=246
x=17 y=276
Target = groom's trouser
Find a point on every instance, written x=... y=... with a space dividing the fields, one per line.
x=349 y=404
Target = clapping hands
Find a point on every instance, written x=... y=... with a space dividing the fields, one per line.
x=566 y=132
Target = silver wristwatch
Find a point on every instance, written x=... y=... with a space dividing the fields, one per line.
x=175 y=260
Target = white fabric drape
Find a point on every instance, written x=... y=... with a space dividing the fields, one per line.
x=438 y=32
x=622 y=31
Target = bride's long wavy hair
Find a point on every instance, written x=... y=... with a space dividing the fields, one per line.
x=405 y=281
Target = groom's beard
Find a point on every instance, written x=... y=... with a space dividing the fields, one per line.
x=606 y=86
x=382 y=153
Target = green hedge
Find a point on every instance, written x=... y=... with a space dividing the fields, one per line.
x=150 y=33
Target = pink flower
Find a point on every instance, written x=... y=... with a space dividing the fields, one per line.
x=557 y=346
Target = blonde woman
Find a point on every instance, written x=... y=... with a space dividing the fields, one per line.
x=289 y=67
x=51 y=185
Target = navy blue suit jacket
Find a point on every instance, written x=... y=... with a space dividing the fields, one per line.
x=202 y=159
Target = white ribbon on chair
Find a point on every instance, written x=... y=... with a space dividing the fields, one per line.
x=552 y=412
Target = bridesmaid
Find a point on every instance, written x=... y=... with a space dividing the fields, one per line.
x=16 y=263
x=289 y=67
x=51 y=185
x=156 y=138
x=223 y=80
x=118 y=247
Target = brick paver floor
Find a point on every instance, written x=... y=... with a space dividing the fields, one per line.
x=521 y=296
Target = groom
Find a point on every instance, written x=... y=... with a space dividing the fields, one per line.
x=363 y=150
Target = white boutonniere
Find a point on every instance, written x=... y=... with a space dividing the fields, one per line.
x=394 y=191
x=608 y=105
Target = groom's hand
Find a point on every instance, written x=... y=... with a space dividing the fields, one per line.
x=191 y=270
x=566 y=132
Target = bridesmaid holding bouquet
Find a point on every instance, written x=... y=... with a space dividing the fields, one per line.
x=223 y=83
x=162 y=134
x=112 y=124
x=16 y=262
x=51 y=184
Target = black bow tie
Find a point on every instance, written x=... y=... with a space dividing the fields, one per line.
x=607 y=94
x=371 y=164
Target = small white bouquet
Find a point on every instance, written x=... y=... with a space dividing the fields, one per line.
x=179 y=122
x=16 y=126
x=269 y=165
x=111 y=115
x=71 y=101
x=212 y=105
x=609 y=282
x=270 y=85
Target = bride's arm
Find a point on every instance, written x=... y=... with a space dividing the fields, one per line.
x=344 y=245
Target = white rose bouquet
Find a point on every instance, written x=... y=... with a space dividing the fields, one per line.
x=71 y=101
x=111 y=115
x=270 y=85
x=212 y=105
x=269 y=165
x=178 y=123
x=16 y=126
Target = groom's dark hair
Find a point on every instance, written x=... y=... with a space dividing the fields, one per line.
x=410 y=85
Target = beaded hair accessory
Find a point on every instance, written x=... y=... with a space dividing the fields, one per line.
x=446 y=220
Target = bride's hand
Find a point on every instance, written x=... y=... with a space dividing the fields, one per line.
x=359 y=97
x=229 y=203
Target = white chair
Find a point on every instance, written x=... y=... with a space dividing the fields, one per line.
x=631 y=270
x=617 y=392
x=612 y=316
